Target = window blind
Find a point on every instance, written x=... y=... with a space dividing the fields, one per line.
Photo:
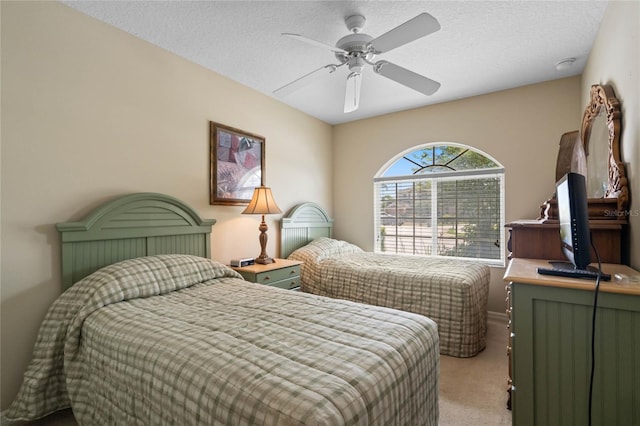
x=452 y=214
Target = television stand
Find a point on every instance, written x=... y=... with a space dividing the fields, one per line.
x=567 y=269
x=549 y=346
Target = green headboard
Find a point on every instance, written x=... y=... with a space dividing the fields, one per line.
x=304 y=223
x=130 y=226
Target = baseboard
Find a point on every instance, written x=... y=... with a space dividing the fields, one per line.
x=497 y=316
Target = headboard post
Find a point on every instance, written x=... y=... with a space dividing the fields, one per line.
x=302 y=224
x=130 y=226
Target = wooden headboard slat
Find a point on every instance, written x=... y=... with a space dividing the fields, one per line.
x=304 y=223
x=130 y=226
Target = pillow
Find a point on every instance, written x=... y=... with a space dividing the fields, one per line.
x=322 y=248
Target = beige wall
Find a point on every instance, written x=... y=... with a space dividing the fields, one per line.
x=89 y=113
x=615 y=60
x=520 y=128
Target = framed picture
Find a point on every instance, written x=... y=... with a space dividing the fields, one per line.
x=237 y=164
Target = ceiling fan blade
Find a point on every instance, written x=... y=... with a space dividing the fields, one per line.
x=305 y=79
x=315 y=42
x=352 y=94
x=407 y=78
x=415 y=28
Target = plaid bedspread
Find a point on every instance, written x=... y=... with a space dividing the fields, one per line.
x=181 y=340
x=452 y=292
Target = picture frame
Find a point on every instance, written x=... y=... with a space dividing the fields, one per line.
x=236 y=164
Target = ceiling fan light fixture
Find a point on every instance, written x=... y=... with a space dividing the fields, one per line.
x=352 y=92
x=356 y=64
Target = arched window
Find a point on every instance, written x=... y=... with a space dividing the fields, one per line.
x=441 y=199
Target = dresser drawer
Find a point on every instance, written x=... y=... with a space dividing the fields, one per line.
x=275 y=275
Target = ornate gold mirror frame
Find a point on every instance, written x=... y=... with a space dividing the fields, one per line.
x=606 y=179
x=604 y=108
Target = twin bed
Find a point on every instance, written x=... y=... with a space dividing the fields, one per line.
x=454 y=293
x=151 y=331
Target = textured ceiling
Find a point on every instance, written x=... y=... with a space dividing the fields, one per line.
x=483 y=46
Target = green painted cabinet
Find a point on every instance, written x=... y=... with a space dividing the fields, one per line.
x=550 y=348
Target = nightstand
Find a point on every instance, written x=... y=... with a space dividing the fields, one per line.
x=283 y=273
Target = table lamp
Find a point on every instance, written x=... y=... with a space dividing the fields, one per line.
x=262 y=203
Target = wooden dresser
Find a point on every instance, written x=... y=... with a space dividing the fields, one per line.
x=540 y=239
x=550 y=347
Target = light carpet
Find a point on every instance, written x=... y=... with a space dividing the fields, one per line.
x=473 y=391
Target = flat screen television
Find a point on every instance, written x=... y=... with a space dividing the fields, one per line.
x=575 y=237
x=573 y=213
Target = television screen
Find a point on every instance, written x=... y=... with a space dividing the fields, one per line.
x=573 y=212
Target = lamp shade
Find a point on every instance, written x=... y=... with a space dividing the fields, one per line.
x=262 y=202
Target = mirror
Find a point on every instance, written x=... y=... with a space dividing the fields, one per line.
x=599 y=138
x=597 y=150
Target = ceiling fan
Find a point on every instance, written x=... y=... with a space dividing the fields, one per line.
x=358 y=49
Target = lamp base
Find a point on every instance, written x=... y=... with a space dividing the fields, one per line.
x=264 y=260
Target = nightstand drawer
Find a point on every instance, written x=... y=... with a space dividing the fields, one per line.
x=270 y=277
x=287 y=284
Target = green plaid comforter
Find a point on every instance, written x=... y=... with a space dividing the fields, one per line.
x=182 y=340
x=453 y=293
